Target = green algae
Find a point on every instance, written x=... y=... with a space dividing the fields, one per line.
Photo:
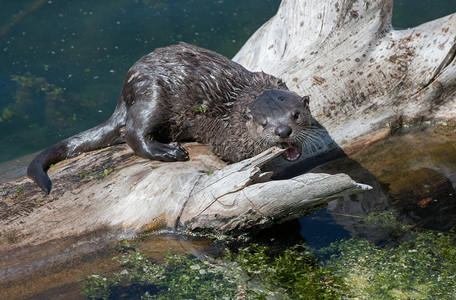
x=420 y=264
x=422 y=267
x=33 y=98
x=252 y=272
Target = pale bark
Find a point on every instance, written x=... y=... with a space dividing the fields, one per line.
x=364 y=77
x=200 y=195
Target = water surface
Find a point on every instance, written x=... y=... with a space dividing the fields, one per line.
x=63 y=62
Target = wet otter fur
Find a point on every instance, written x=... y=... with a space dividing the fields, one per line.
x=186 y=93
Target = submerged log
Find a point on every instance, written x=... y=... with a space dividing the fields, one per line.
x=364 y=78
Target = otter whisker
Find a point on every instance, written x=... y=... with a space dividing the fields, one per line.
x=318 y=134
x=317 y=141
x=312 y=140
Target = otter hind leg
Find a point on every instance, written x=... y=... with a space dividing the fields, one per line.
x=141 y=121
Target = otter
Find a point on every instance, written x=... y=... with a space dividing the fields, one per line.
x=186 y=93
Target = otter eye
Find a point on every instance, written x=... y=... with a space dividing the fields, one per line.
x=263 y=122
x=296 y=115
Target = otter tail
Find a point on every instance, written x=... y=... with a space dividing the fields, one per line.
x=103 y=135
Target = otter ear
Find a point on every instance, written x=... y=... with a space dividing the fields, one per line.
x=305 y=100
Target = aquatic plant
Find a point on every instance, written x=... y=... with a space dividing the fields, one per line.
x=97 y=286
x=180 y=277
x=106 y=172
x=90 y=175
x=201 y=109
x=422 y=267
x=40 y=105
x=252 y=273
x=6 y=114
x=208 y=173
x=293 y=274
x=20 y=190
x=27 y=87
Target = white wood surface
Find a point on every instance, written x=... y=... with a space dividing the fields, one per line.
x=363 y=76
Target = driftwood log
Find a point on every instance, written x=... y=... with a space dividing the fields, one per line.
x=364 y=79
x=112 y=194
x=114 y=189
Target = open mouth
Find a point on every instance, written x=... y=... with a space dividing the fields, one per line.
x=293 y=152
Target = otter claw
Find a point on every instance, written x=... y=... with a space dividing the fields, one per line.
x=177 y=151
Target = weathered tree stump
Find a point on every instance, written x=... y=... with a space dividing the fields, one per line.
x=364 y=78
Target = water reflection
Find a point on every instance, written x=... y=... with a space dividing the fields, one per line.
x=413 y=177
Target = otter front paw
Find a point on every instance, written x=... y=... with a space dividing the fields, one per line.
x=168 y=152
x=177 y=151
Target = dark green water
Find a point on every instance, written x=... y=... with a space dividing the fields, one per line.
x=63 y=62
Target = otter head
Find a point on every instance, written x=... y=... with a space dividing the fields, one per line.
x=279 y=117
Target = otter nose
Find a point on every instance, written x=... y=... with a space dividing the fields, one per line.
x=283 y=131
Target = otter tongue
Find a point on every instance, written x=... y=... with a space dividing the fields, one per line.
x=292 y=153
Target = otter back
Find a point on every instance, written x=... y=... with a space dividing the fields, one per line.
x=183 y=93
